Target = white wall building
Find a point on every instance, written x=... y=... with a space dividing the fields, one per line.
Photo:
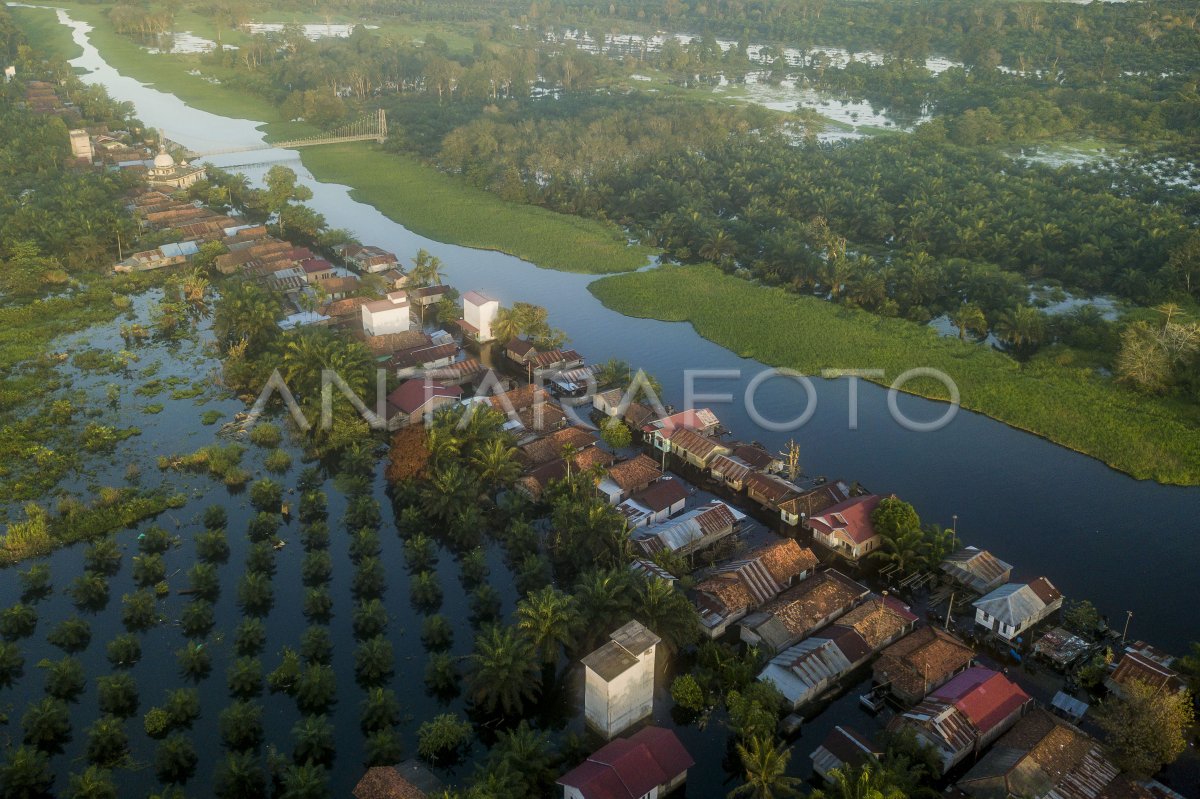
x=479 y=312
x=389 y=315
x=619 y=683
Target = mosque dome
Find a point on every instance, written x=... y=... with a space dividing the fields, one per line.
x=163 y=160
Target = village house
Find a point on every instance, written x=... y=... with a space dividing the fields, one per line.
x=479 y=312
x=692 y=530
x=920 y=662
x=965 y=715
x=691 y=447
x=846 y=528
x=658 y=431
x=345 y=311
x=550 y=447
x=735 y=588
x=158 y=258
x=976 y=570
x=798 y=509
x=535 y=481
x=608 y=402
x=1044 y=757
x=458 y=373
x=802 y=610
x=393 y=279
x=768 y=490
x=649 y=764
x=655 y=504
x=843 y=748
x=408 y=780
x=339 y=287
x=384 y=346
x=619 y=680
x=81 y=145
x=303 y=319
x=1145 y=664
x=555 y=361
x=530 y=412
x=389 y=315
x=757 y=456
x=368 y=259
x=1061 y=647
x=422 y=298
x=520 y=351
x=411 y=360
x=730 y=470
x=803 y=672
x=628 y=477
x=317 y=270
x=417 y=399
x=1015 y=607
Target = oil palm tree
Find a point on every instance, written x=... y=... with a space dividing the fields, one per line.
x=26 y=772
x=496 y=463
x=667 y=612
x=765 y=768
x=969 y=318
x=240 y=776
x=549 y=619
x=305 y=781
x=93 y=783
x=314 y=740
x=864 y=783
x=175 y=760
x=503 y=672
x=373 y=661
x=47 y=725
x=1023 y=328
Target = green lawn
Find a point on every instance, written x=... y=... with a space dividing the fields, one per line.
x=1148 y=438
x=442 y=207
x=45 y=34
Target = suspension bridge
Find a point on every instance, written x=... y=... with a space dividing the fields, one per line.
x=368 y=128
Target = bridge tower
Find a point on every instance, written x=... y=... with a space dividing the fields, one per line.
x=382 y=126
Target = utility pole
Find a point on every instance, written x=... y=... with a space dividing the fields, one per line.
x=949 y=610
x=1128 y=617
x=954 y=530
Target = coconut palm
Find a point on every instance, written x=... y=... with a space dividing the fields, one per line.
x=503 y=673
x=613 y=372
x=549 y=619
x=1023 y=328
x=426 y=270
x=507 y=325
x=765 y=771
x=869 y=782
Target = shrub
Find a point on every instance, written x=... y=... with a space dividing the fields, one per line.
x=215 y=517
x=687 y=693
x=278 y=461
x=156 y=722
x=442 y=737
x=266 y=434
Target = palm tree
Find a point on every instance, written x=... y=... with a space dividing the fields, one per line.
x=47 y=725
x=241 y=726
x=969 y=318
x=379 y=711
x=507 y=325
x=26 y=772
x=175 y=760
x=447 y=490
x=766 y=771
x=603 y=599
x=613 y=372
x=240 y=777
x=93 y=783
x=496 y=462
x=905 y=548
x=314 y=740
x=868 y=783
x=373 y=661
x=667 y=612
x=1024 y=327
x=107 y=744
x=426 y=270
x=503 y=671
x=305 y=781
x=549 y=619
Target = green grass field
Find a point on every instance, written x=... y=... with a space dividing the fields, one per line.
x=442 y=207
x=45 y=34
x=1148 y=438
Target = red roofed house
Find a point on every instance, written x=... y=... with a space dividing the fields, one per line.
x=846 y=528
x=650 y=764
x=702 y=421
x=416 y=398
x=656 y=503
x=966 y=714
x=316 y=270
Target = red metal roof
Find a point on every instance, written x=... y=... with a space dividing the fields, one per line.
x=662 y=495
x=853 y=517
x=412 y=394
x=629 y=768
x=986 y=697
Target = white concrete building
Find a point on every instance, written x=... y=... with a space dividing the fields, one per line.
x=389 y=315
x=479 y=312
x=619 y=682
x=81 y=145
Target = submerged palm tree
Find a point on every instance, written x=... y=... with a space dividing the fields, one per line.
x=549 y=619
x=503 y=671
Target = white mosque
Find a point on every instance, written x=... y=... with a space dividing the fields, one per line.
x=167 y=174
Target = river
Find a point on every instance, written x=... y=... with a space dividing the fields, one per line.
x=1097 y=533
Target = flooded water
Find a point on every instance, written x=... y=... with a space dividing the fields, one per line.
x=312 y=31
x=1041 y=507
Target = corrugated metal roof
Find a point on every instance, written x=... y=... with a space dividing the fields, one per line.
x=802 y=671
x=1013 y=604
x=689 y=529
x=977 y=569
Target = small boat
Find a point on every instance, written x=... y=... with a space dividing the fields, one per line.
x=873 y=700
